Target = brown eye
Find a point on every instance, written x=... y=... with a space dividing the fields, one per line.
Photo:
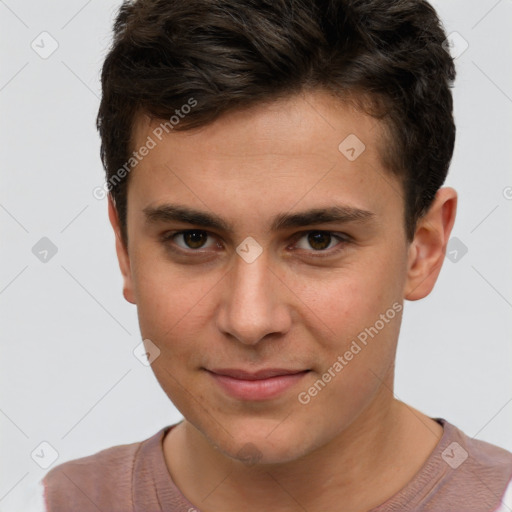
x=195 y=239
x=189 y=239
x=322 y=243
x=319 y=240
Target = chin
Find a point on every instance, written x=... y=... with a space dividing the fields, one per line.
x=257 y=444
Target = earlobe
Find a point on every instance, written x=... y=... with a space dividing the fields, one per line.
x=427 y=250
x=122 y=252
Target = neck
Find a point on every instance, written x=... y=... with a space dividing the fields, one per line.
x=366 y=464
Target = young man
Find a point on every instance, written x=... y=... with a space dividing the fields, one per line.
x=274 y=173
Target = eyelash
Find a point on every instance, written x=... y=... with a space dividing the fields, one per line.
x=342 y=238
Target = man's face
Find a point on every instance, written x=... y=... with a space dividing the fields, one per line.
x=316 y=287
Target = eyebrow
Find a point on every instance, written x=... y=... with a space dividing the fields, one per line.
x=178 y=213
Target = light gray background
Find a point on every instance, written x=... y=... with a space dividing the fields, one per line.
x=68 y=374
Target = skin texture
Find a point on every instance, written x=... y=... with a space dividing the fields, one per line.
x=294 y=307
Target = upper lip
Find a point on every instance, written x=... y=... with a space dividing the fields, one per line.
x=265 y=373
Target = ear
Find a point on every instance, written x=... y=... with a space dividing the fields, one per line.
x=122 y=252
x=427 y=250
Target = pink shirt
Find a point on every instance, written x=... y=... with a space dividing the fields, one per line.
x=461 y=474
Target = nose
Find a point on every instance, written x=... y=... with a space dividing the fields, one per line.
x=254 y=302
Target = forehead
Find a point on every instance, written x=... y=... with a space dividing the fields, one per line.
x=310 y=123
x=305 y=148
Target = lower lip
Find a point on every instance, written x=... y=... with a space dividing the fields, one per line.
x=262 y=389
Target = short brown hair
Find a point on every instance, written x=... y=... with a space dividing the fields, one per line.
x=230 y=54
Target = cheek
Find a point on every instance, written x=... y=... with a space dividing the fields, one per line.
x=354 y=367
x=353 y=313
x=174 y=310
x=171 y=302
x=340 y=303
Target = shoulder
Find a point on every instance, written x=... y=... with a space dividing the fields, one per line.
x=461 y=473
x=475 y=470
x=102 y=481
x=487 y=459
x=506 y=500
